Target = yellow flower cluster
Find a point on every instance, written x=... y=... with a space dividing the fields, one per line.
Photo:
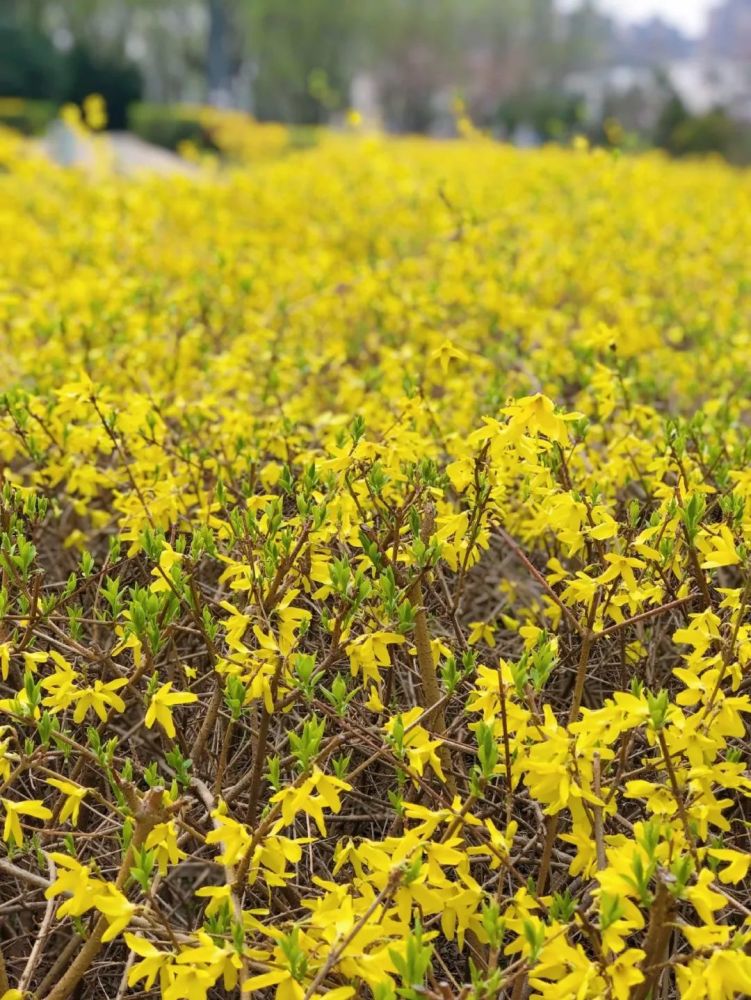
x=375 y=611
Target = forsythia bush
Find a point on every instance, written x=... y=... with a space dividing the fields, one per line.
x=375 y=612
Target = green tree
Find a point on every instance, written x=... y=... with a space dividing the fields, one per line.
x=30 y=66
x=302 y=55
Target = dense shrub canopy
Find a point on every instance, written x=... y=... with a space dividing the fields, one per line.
x=375 y=586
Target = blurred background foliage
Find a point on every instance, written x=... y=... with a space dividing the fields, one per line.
x=528 y=70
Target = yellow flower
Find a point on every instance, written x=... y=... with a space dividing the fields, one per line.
x=726 y=974
x=415 y=740
x=536 y=415
x=4 y=660
x=234 y=837
x=481 y=632
x=374 y=703
x=301 y=798
x=95 y=111
x=447 y=353
x=153 y=963
x=368 y=652
x=218 y=896
x=720 y=549
x=117 y=909
x=624 y=972
x=100 y=696
x=704 y=899
x=12 y=828
x=162 y=701
x=163 y=572
x=287 y=988
x=74 y=796
x=737 y=864
x=163 y=841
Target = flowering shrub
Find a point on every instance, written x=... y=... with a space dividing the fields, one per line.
x=193 y=128
x=374 y=612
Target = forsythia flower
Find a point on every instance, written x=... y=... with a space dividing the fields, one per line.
x=74 y=796
x=13 y=810
x=100 y=696
x=162 y=701
x=292 y=440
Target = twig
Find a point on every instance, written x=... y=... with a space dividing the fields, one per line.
x=431 y=693
x=4 y=984
x=597 y=812
x=229 y=872
x=28 y=971
x=31 y=877
x=534 y=572
x=581 y=670
x=335 y=953
x=122 y=988
x=658 y=933
x=148 y=813
x=652 y=613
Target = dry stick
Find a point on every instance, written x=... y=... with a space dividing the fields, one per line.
x=729 y=649
x=336 y=953
x=434 y=714
x=286 y=565
x=534 y=572
x=698 y=575
x=680 y=805
x=436 y=719
x=255 y=793
x=506 y=747
x=28 y=971
x=259 y=758
x=597 y=811
x=209 y=722
x=551 y=831
x=551 y=825
x=59 y=966
x=148 y=812
x=10 y=869
x=581 y=670
x=122 y=989
x=229 y=872
x=4 y=984
x=431 y=694
x=658 y=934
x=223 y=756
x=644 y=615
x=231 y=793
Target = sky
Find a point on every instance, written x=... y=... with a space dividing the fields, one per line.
x=686 y=14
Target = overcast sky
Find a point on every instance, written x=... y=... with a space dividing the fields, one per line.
x=687 y=14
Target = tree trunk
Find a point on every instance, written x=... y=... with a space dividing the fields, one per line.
x=218 y=63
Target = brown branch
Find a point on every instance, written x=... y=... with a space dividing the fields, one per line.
x=656 y=941
x=652 y=613
x=537 y=575
x=148 y=813
x=431 y=693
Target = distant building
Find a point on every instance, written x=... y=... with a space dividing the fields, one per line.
x=728 y=31
x=701 y=82
x=652 y=43
x=608 y=89
x=706 y=82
